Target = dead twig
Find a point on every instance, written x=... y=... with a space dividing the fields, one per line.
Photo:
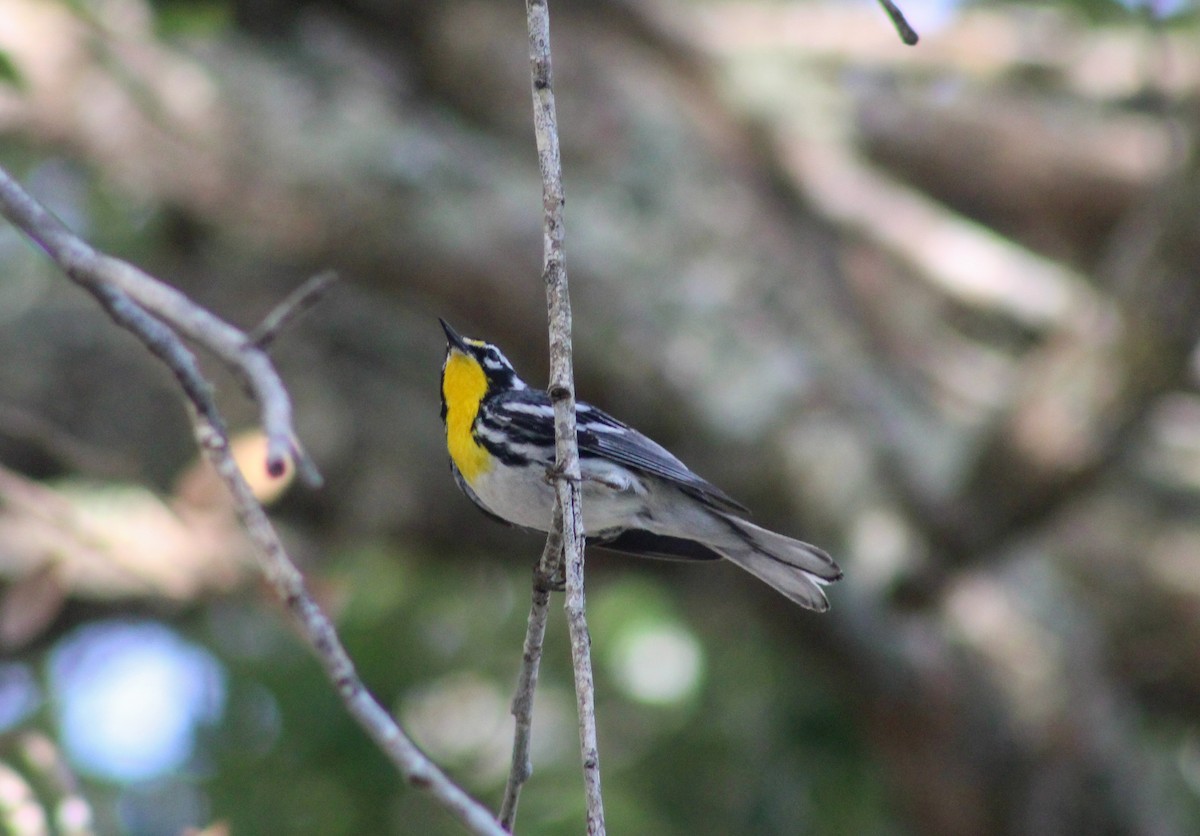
x=531 y=660
x=906 y=32
x=160 y=316
x=102 y=275
x=296 y=304
x=564 y=547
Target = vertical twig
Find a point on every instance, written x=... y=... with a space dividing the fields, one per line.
x=531 y=662
x=522 y=707
x=568 y=512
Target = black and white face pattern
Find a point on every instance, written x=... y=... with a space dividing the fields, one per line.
x=500 y=373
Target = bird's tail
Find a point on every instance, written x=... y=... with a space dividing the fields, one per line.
x=796 y=569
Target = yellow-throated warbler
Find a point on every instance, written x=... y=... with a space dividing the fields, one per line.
x=637 y=497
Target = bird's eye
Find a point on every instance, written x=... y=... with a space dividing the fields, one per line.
x=494 y=360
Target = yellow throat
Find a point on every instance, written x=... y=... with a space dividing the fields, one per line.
x=463 y=387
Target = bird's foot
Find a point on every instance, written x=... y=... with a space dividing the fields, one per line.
x=555 y=472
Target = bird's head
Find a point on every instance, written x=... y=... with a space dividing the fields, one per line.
x=472 y=370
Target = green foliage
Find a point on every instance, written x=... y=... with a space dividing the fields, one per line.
x=10 y=73
x=192 y=18
x=1111 y=11
x=756 y=747
x=710 y=722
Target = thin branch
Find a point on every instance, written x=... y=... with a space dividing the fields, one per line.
x=522 y=704
x=907 y=33
x=296 y=304
x=156 y=314
x=318 y=631
x=88 y=268
x=562 y=395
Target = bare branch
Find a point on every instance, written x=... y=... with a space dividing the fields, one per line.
x=907 y=33
x=568 y=519
x=522 y=704
x=297 y=303
x=157 y=315
x=318 y=631
x=91 y=270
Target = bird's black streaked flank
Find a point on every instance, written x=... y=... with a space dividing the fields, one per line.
x=637 y=497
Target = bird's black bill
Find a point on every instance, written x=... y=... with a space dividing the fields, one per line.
x=453 y=337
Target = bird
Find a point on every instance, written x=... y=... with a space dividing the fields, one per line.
x=637 y=497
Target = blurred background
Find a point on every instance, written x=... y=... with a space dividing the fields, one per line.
x=935 y=309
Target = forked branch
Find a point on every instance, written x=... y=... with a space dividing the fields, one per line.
x=161 y=317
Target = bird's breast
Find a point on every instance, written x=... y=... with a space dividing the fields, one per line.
x=463 y=388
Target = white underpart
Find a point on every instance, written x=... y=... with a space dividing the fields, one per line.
x=612 y=495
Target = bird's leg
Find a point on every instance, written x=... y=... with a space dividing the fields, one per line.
x=613 y=484
x=554 y=472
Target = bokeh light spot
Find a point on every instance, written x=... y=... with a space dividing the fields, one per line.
x=658 y=663
x=129 y=697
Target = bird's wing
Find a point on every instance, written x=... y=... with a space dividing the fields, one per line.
x=602 y=436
